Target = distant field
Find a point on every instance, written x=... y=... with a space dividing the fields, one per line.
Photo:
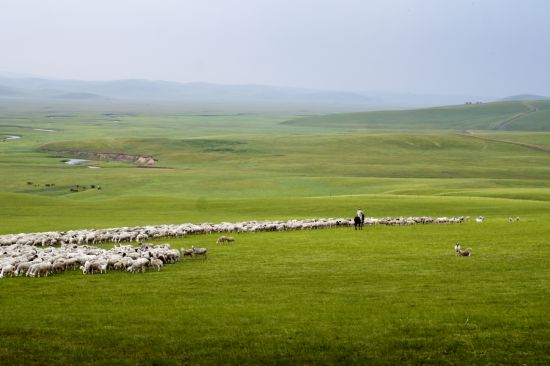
x=387 y=295
x=513 y=116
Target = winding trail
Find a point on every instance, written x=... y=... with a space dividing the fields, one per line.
x=505 y=123
x=469 y=133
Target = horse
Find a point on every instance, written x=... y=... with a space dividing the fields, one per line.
x=358 y=223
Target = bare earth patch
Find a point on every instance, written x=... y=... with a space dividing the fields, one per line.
x=137 y=159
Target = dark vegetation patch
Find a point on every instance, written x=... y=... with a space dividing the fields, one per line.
x=212 y=145
x=13 y=126
x=52 y=188
x=120 y=114
x=130 y=150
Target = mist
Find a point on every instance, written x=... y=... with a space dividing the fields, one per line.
x=489 y=48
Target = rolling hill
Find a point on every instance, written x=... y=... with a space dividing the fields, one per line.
x=201 y=92
x=524 y=97
x=512 y=116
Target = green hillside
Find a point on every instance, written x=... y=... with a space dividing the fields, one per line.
x=520 y=116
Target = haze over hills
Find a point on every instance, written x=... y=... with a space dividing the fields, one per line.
x=524 y=97
x=499 y=116
x=201 y=92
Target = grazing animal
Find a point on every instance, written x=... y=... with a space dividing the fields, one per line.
x=480 y=219
x=358 y=223
x=464 y=253
x=225 y=239
x=156 y=263
x=7 y=270
x=186 y=252
x=199 y=251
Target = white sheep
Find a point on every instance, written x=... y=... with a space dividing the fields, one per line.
x=138 y=265
x=8 y=269
x=156 y=263
x=43 y=269
x=22 y=268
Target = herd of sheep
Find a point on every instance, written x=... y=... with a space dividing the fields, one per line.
x=22 y=254
x=31 y=261
x=142 y=233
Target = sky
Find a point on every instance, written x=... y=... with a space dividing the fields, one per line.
x=450 y=47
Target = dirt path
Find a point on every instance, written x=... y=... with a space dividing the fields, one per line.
x=523 y=144
x=504 y=124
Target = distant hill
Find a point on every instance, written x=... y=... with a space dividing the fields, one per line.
x=7 y=91
x=79 y=96
x=135 y=89
x=200 y=92
x=520 y=116
x=524 y=97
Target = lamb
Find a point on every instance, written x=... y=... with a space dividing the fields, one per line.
x=464 y=253
x=103 y=267
x=480 y=219
x=225 y=239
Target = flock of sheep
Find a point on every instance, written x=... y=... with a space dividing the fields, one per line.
x=31 y=261
x=22 y=254
x=142 y=233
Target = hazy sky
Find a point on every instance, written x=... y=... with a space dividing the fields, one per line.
x=485 y=47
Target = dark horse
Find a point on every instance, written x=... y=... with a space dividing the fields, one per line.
x=358 y=223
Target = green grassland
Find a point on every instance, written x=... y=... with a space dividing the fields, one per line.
x=385 y=295
x=514 y=116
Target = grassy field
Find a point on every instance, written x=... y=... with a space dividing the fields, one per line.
x=513 y=116
x=386 y=295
